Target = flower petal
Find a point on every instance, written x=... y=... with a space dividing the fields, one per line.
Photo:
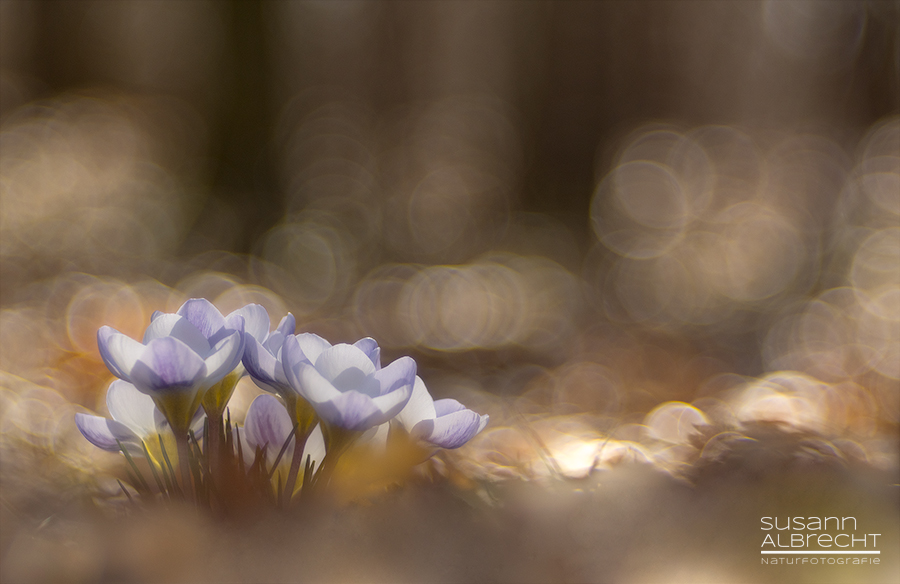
x=450 y=431
x=312 y=345
x=391 y=403
x=268 y=423
x=370 y=347
x=420 y=406
x=262 y=365
x=288 y=325
x=314 y=448
x=305 y=379
x=118 y=351
x=167 y=363
x=256 y=321
x=351 y=410
x=225 y=356
x=132 y=408
x=201 y=313
x=174 y=325
x=442 y=407
x=483 y=423
x=401 y=372
x=103 y=433
x=341 y=358
x=274 y=342
x=234 y=323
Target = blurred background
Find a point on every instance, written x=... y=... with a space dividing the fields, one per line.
x=606 y=224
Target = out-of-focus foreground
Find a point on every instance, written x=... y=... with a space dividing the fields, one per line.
x=659 y=243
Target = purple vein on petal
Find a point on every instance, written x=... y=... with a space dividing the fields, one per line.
x=168 y=363
x=201 y=313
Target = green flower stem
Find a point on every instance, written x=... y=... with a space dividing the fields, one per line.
x=303 y=415
x=214 y=401
x=214 y=450
x=296 y=459
x=184 y=453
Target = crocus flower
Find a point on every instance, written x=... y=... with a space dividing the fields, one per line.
x=264 y=362
x=135 y=420
x=181 y=356
x=345 y=383
x=256 y=333
x=262 y=356
x=444 y=423
x=268 y=426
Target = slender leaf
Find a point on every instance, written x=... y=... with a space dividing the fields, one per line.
x=130 y=460
x=156 y=478
x=165 y=454
x=124 y=490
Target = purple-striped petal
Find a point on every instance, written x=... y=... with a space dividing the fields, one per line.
x=262 y=365
x=311 y=346
x=450 y=431
x=370 y=347
x=291 y=358
x=274 y=342
x=201 y=313
x=167 y=363
x=118 y=351
x=351 y=411
x=341 y=359
x=400 y=373
x=256 y=321
x=308 y=382
x=224 y=357
x=268 y=423
x=103 y=433
x=174 y=325
x=442 y=407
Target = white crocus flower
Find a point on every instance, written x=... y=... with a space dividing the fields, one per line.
x=444 y=423
x=135 y=421
x=181 y=356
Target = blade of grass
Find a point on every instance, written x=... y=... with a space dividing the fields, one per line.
x=240 y=450
x=156 y=478
x=124 y=490
x=281 y=452
x=165 y=454
x=130 y=460
x=196 y=469
x=258 y=464
x=306 y=486
x=206 y=457
x=132 y=479
x=168 y=479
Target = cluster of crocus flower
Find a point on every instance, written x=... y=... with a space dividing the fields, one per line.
x=174 y=386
